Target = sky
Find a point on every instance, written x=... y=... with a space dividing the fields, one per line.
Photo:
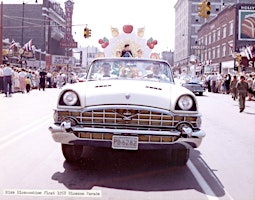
x=156 y=16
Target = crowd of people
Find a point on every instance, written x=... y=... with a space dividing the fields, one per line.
x=241 y=87
x=15 y=79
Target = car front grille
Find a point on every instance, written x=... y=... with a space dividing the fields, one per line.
x=133 y=118
x=141 y=138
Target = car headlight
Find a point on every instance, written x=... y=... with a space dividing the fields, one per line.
x=70 y=98
x=185 y=102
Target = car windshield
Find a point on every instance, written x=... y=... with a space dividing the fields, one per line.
x=148 y=70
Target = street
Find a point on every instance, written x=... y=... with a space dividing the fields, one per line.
x=221 y=168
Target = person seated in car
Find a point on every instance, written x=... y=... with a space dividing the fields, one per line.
x=105 y=71
x=156 y=74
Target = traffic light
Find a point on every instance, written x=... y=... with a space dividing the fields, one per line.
x=87 y=32
x=238 y=62
x=238 y=58
x=201 y=12
x=204 y=9
x=207 y=9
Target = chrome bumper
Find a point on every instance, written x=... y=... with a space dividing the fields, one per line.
x=65 y=134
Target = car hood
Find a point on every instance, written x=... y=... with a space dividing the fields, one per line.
x=110 y=92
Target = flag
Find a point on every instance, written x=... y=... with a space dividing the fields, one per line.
x=231 y=47
x=28 y=46
x=248 y=52
x=13 y=44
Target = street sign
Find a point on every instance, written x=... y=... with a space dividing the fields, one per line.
x=67 y=44
x=199 y=47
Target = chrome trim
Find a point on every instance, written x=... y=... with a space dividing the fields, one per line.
x=64 y=137
x=135 y=117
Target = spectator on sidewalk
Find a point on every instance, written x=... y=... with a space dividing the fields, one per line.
x=233 y=89
x=28 y=84
x=42 y=80
x=249 y=81
x=22 y=77
x=214 y=82
x=242 y=89
x=227 y=83
x=8 y=75
x=1 y=79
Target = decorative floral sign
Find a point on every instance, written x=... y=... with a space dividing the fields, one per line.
x=128 y=36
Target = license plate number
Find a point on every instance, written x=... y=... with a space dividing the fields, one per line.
x=125 y=142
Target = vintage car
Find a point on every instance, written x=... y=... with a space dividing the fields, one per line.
x=195 y=85
x=127 y=104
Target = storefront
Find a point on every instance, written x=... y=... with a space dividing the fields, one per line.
x=248 y=65
x=227 y=67
x=212 y=68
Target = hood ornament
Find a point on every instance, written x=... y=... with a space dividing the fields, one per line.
x=127 y=95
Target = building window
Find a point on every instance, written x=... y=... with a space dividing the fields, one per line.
x=231 y=28
x=209 y=38
x=218 y=52
x=223 y=50
x=213 y=53
x=224 y=31
x=213 y=36
x=209 y=54
x=218 y=34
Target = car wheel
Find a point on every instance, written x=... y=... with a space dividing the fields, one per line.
x=179 y=157
x=200 y=93
x=72 y=153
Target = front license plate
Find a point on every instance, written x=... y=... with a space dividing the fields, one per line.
x=125 y=142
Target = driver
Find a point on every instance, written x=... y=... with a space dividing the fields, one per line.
x=156 y=72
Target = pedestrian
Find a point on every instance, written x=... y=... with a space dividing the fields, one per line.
x=253 y=85
x=59 y=80
x=15 y=80
x=227 y=83
x=214 y=82
x=42 y=80
x=249 y=81
x=49 y=80
x=208 y=82
x=233 y=90
x=242 y=89
x=22 y=77
x=28 y=84
x=1 y=79
x=8 y=74
x=220 y=83
x=126 y=52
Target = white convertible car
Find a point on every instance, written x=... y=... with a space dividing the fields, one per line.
x=130 y=104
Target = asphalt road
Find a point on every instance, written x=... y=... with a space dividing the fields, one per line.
x=30 y=161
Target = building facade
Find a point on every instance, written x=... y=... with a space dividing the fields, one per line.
x=44 y=24
x=187 y=24
x=223 y=37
